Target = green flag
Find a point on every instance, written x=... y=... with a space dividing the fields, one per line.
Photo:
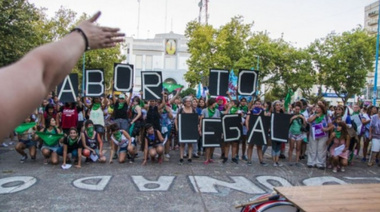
x=24 y=127
x=50 y=139
x=171 y=87
x=288 y=98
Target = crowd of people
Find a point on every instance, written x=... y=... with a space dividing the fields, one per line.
x=327 y=137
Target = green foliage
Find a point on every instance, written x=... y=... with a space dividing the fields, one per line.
x=18 y=29
x=188 y=92
x=343 y=61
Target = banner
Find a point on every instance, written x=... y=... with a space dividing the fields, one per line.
x=247 y=82
x=218 y=82
x=68 y=89
x=232 y=84
x=211 y=132
x=188 y=128
x=49 y=138
x=123 y=77
x=94 y=83
x=151 y=83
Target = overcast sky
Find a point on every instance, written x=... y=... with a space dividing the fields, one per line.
x=300 y=21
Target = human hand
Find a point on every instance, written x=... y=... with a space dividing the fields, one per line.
x=100 y=37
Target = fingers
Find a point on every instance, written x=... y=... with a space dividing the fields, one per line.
x=94 y=17
x=109 y=29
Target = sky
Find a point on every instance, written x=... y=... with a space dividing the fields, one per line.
x=300 y=22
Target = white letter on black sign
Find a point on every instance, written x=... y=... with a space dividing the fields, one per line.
x=99 y=83
x=128 y=71
x=147 y=86
x=262 y=130
x=253 y=84
x=71 y=90
x=235 y=128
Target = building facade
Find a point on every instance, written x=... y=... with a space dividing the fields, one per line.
x=166 y=52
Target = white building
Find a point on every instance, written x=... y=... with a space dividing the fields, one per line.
x=166 y=52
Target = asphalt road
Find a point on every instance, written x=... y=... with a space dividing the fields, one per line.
x=33 y=186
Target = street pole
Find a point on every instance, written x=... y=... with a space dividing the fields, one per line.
x=377 y=58
x=83 y=74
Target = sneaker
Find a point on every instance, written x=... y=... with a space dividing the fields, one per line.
x=263 y=164
x=211 y=161
x=195 y=156
x=370 y=164
x=309 y=166
x=290 y=164
x=225 y=160
x=115 y=156
x=189 y=160
x=335 y=170
x=342 y=169
x=244 y=158
x=282 y=156
x=275 y=164
x=234 y=160
x=185 y=156
x=321 y=168
x=167 y=156
x=206 y=162
x=23 y=158
x=4 y=145
x=46 y=161
x=279 y=164
x=180 y=161
x=249 y=163
x=132 y=160
x=33 y=158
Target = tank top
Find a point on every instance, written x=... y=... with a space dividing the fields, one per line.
x=152 y=139
x=124 y=141
x=91 y=142
x=97 y=116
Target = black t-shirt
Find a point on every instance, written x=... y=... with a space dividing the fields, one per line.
x=75 y=145
x=120 y=113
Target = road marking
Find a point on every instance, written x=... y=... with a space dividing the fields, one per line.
x=27 y=182
x=264 y=181
x=208 y=184
x=316 y=181
x=162 y=184
x=99 y=186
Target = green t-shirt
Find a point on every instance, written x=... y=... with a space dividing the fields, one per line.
x=295 y=128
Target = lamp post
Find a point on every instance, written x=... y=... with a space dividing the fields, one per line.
x=377 y=58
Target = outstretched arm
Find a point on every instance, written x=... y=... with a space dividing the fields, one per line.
x=44 y=67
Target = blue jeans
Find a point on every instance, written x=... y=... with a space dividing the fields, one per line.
x=74 y=152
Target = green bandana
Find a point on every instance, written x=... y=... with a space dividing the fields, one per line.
x=142 y=104
x=211 y=112
x=72 y=141
x=319 y=119
x=174 y=107
x=355 y=113
x=96 y=106
x=50 y=139
x=338 y=134
x=233 y=109
x=117 y=135
x=90 y=131
x=244 y=108
x=24 y=127
x=121 y=105
x=303 y=111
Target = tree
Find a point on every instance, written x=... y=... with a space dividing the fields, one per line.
x=344 y=61
x=18 y=22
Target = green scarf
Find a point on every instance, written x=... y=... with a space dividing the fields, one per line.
x=319 y=119
x=142 y=104
x=121 y=105
x=211 y=112
x=72 y=141
x=355 y=113
x=24 y=127
x=96 y=106
x=338 y=134
x=50 y=139
x=117 y=136
x=302 y=111
x=244 y=108
x=90 y=131
x=233 y=109
x=174 y=107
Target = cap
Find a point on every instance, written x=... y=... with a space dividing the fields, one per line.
x=121 y=96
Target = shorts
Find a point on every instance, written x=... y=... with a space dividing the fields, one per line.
x=51 y=148
x=74 y=152
x=28 y=143
x=125 y=149
x=245 y=131
x=155 y=146
x=123 y=124
x=276 y=148
x=375 y=145
x=298 y=137
x=99 y=129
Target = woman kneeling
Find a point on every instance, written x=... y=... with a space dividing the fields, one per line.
x=122 y=141
x=153 y=144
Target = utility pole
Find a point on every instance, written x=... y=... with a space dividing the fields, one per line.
x=138 y=20
x=206 y=12
x=377 y=58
